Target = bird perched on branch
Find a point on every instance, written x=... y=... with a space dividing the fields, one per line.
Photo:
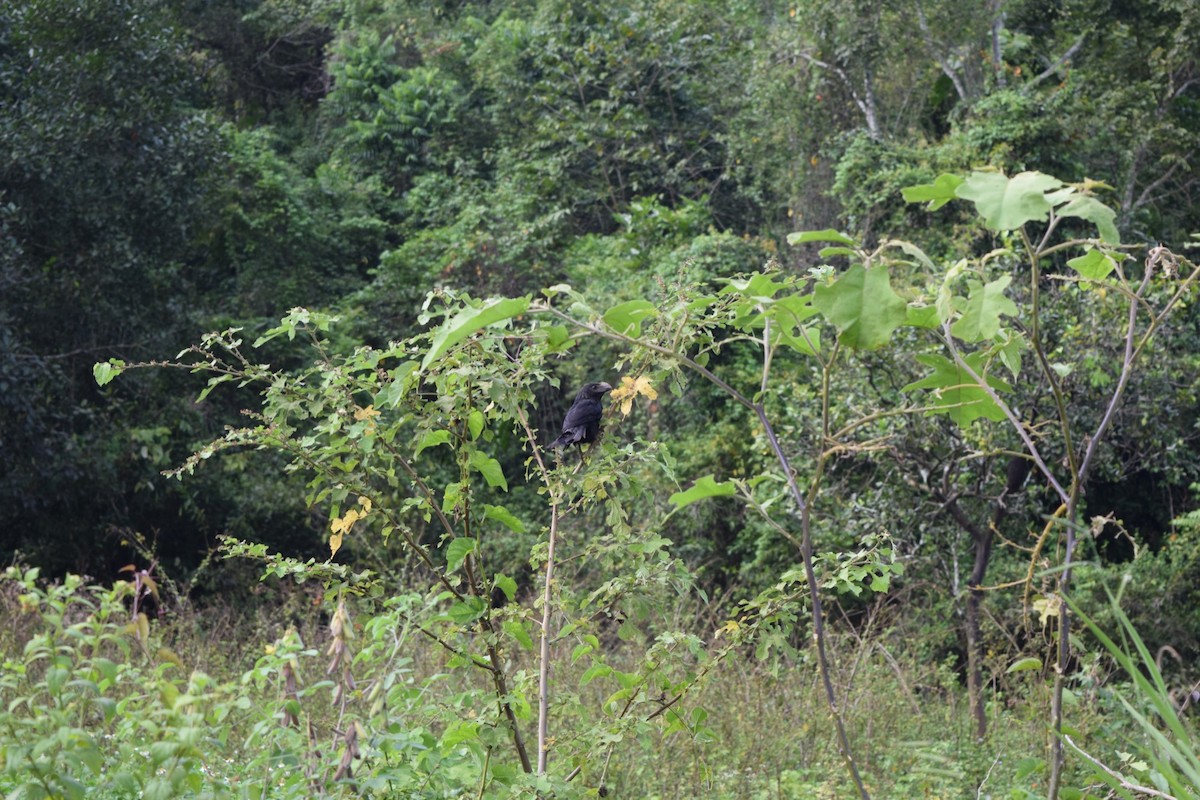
x=582 y=424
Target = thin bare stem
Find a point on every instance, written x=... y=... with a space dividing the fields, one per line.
x=1008 y=413
x=1126 y=370
x=1133 y=787
x=544 y=653
x=1035 y=276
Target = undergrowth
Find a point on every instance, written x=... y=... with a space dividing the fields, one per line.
x=307 y=696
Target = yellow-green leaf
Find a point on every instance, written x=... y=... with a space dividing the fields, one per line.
x=458 y=550
x=938 y=193
x=707 y=486
x=1093 y=265
x=469 y=320
x=862 y=306
x=1024 y=664
x=627 y=318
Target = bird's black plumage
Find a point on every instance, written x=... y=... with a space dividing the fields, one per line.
x=582 y=424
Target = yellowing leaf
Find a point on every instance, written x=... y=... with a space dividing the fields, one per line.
x=344 y=523
x=141 y=628
x=1047 y=608
x=335 y=544
x=631 y=388
x=365 y=413
x=642 y=384
x=732 y=626
x=365 y=502
x=169 y=656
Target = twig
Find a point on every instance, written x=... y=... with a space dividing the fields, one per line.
x=1133 y=787
x=544 y=652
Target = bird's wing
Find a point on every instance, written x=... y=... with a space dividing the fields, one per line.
x=581 y=414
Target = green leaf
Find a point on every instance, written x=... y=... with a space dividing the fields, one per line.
x=938 y=193
x=506 y=585
x=1024 y=664
x=212 y=384
x=458 y=550
x=393 y=391
x=469 y=320
x=1093 y=265
x=759 y=286
x=431 y=439
x=912 y=250
x=558 y=337
x=1091 y=209
x=466 y=611
x=789 y=313
x=945 y=296
x=490 y=469
x=956 y=393
x=626 y=318
x=986 y=303
x=704 y=487
x=862 y=306
x=922 y=317
x=475 y=423
x=457 y=733
x=105 y=371
x=597 y=670
x=516 y=629
x=504 y=517
x=451 y=497
x=1008 y=203
x=1010 y=352
x=827 y=235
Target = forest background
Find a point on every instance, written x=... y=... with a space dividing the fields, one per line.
x=370 y=172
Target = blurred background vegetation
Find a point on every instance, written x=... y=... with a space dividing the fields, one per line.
x=170 y=168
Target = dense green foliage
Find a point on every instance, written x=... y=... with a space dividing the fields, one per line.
x=621 y=179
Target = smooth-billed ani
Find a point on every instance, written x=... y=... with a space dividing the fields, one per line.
x=582 y=424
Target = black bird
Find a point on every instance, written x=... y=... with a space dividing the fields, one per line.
x=582 y=424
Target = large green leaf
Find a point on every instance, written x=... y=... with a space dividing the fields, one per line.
x=981 y=314
x=1008 y=203
x=955 y=392
x=922 y=316
x=505 y=584
x=489 y=468
x=827 y=235
x=938 y=193
x=432 y=439
x=759 y=286
x=504 y=517
x=707 y=486
x=458 y=550
x=1093 y=265
x=1091 y=209
x=469 y=320
x=626 y=318
x=862 y=306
